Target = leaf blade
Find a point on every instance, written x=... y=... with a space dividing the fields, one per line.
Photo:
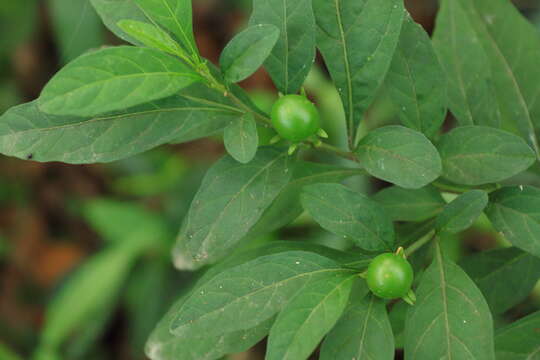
x=113 y=79
x=401 y=156
x=460 y=214
x=410 y=205
x=348 y=213
x=292 y=57
x=247 y=51
x=241 y=139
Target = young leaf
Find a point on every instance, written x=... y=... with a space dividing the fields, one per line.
x=113 y=11
x=416 y=82
x=358 y=53
x=511 y=55
x=364 y=332
x=294 y=53
x=461 y=213
x=304 y=321
x=26 y=132
x=450 y=319
x=287 y=207
x=241 y=139
x=231 y=199
x=246 y=295
x=519 y=340
x=113 y=79
x=247 y=51
x=76 y=26
x=151 y=36
x=348 y=213
x=410 y=205
x=505 y=276
x=175 y=16
x=476 y=155
x=471 y=96
x=401 y=156
x=515 y=212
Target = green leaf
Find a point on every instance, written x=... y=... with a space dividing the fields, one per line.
x=77 y=27
x=113 y=11
x=246 y=295
x=476 y=155
x=114 y=79
x=416 y=81
x=231 y=199
x=410 y=205
x=401 y=156
x=25 y=132
x=241 y=138
x=471 y=96
x=505 y=276
x=119 y=221
x=163 y=345
x=515 y=212
x=92 y=289
x=357 y=40
x=287 y=207
x=347 y=213
x=294 y=53
x=151 y=36
x=519 y=340
x=364 y=332
x=247 y=51
x=304 y=321
x=450 y=319
x=175 y=16
x=511 y=55
x=461 y=213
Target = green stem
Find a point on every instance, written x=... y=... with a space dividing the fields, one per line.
x=336 y=151
x=420 y=242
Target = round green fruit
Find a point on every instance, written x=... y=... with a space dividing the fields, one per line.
x=389 y=276
x=295 y=118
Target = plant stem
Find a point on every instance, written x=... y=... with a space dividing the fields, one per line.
x=334 y=150
x=420 y=242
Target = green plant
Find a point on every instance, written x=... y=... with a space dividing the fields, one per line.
x=116 y=102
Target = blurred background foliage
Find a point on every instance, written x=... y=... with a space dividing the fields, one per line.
x=85 y=268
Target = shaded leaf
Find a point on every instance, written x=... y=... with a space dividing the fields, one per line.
x=77 y=27
x=287 y=207
x=450 y=318
x=241 y=139
x=114 y=79
x=364 y=332
x=512 y=46
x=304 y=321
x=471 y=95
x=476 y=155
x=519 y=340
x=247 y=51
x=357 y=40
x=410 y=205
x=25 y=132
x=401 y=156
x=245 y=296
x=515 y=212
x=293 y=55
x=173 y=15
x=461 y=213
x=347 y=213
x=505 y=276
x=231 y=199
x=416 y=81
